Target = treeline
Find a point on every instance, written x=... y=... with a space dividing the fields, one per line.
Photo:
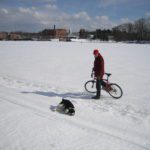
x=136 y=31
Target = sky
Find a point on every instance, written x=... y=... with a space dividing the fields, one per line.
x=37 y=15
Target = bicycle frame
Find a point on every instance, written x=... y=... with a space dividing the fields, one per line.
x=105 y=85
x=106 y=81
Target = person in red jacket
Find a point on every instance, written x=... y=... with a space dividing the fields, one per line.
x=98 y=70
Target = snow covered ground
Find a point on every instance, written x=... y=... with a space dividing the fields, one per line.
x=34 y=76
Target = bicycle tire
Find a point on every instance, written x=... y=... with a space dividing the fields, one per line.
x=90 y=86
x=116 y=91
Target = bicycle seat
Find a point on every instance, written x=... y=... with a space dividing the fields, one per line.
x=108 y=74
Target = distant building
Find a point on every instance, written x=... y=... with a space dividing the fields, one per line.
x=14 y=36
x=3 y=35
x=61 y=33
x=54 y=33
x=45 y=35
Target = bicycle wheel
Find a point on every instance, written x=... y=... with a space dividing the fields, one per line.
x=115 y=91
x=90 y=86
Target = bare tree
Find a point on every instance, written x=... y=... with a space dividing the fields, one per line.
x=140 y=28
x=130 y=28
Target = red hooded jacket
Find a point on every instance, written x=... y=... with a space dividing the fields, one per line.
x=99 y=66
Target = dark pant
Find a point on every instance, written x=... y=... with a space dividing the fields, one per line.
x=98 y=87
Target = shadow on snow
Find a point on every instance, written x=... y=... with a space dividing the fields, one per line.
x=79 y=95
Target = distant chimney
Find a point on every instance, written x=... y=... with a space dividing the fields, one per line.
x=54 y=26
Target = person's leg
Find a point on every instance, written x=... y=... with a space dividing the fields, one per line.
x=98 y=88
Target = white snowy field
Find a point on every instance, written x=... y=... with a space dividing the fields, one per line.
x=35 y=76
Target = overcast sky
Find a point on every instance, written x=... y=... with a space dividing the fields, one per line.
x=36 y=15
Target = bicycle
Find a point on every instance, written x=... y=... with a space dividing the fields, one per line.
x=113 y=89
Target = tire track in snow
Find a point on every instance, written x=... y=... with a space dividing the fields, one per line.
x=13 y=82
x=121 y=110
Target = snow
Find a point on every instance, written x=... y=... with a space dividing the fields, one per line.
x=35 y=76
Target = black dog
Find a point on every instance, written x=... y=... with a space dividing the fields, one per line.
x=65 y=106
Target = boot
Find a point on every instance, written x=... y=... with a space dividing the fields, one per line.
x=96 y=97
